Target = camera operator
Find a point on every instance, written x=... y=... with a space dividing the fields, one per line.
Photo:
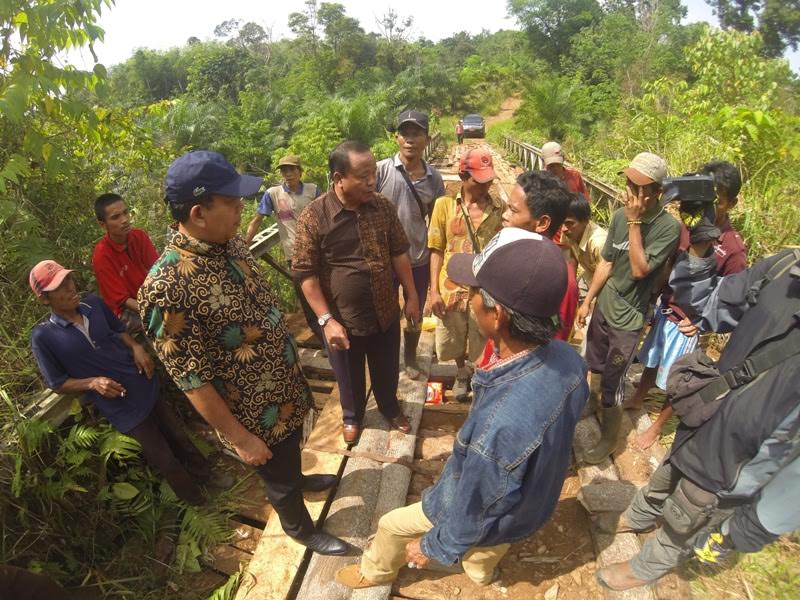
x=731 y=479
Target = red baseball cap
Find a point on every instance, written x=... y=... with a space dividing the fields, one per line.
x=478 y=163
x=46 y=276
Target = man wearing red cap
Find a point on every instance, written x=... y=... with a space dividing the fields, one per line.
x=641 y=237
x=462 y=224
x=82 y=347
x=505 y=475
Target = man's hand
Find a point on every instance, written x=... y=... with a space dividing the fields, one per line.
x=252 y=450
x=107 y=387
x=437 y=305
x=414 y=554
x=143 y=361
x=635 y=203
x=336 y=335
x=411 y=310
x=687 y=328
x=581 y=316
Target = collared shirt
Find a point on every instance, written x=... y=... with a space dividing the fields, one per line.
x=213 y=319
x=120 y=269
x=623 y=299
x=287 y=206
x=351 y=252
x=587 y=251
x=449 y=235
x=511 y=455
x=392 y=185
x=64 y=350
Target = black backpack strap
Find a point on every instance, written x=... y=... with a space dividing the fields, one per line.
x=754 y=365
x=782 y=265
x=423 y=213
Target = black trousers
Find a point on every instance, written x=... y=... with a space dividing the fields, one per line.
x=610 y=351
x=167 y=448
x=283 y=479
x=381 y=351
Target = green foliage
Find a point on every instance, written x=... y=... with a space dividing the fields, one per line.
x=777 y=21
x=227 y=590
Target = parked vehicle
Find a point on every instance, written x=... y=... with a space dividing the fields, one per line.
x=474 y=126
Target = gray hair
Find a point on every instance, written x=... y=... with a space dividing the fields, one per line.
x=538 y=330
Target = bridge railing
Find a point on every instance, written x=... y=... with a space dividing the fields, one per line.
x=432 y=146
x=530 y=157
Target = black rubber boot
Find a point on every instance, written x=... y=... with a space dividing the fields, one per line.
x=609 y=431
x=410 y=354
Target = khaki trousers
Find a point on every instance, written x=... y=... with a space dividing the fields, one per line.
x=387 y=552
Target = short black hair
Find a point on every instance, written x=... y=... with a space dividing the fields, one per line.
x=579 y=207
x=726 y=177
x=339 y=158
x=525 y=328
x=180 y=210
x=102 y=202
x=545 y=194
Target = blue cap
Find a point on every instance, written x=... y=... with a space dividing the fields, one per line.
x=201 y=172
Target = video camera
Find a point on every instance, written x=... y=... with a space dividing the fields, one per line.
x=697 y=203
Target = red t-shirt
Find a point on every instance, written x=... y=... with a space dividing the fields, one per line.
x=120 y=271
x=569 y=306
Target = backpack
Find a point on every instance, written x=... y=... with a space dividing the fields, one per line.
x=696 y=388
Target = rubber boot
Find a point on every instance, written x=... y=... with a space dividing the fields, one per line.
x=609 y=431
x=593 y=404
x=410 y=355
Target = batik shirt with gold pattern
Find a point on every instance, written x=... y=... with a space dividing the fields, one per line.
x=213 y=319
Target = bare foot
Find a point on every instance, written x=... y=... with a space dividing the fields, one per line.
x=644 y=440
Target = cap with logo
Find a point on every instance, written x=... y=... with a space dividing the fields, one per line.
x=201 y=172
x=46 y=276
x=646 y=168
x=552 y=153
x=290 y=160
x=478 y=163
x=523 y=271
x=412 y=116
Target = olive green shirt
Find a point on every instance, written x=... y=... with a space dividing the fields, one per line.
x=624 y=300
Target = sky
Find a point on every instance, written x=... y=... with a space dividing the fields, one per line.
x=162 y=24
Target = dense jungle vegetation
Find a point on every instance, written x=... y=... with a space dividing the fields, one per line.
x=609 y=79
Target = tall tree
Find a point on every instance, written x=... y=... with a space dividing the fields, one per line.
x=551 y=25
x=778 y=21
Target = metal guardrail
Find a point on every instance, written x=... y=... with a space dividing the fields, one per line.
x=432 y=146
x=530 y=157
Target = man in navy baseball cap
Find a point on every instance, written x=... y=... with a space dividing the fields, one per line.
x=201 y=173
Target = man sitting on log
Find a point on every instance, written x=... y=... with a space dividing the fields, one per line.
x=510 y=457
x=83 y=348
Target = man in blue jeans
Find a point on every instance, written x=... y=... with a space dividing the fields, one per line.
x=510 y=457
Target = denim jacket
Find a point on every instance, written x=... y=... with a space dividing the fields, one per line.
x=510 y=457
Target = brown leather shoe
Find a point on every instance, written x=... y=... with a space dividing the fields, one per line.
x=351 y=577
x=400 y=422
x=619 y=577
x=351 y=432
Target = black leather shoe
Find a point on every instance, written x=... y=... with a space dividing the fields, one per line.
x=324 y=543
x=319 y=483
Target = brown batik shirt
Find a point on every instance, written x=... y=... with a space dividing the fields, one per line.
x=213 y=319
x=351 y=251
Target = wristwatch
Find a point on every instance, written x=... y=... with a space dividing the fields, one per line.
x=323 y=319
